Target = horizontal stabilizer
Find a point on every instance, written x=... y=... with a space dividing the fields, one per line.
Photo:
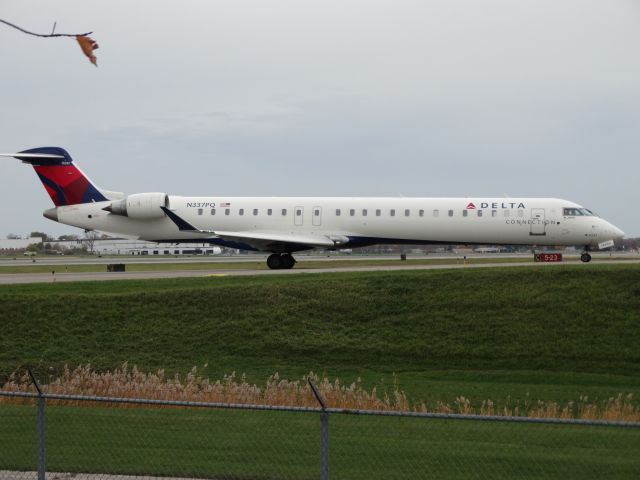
x=42 y=156
x=20 y=156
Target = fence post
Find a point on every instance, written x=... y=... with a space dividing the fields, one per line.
x=324 y=446
x=39 y=426
x=324 y=432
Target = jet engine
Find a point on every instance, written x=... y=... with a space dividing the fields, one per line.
x=143 y=206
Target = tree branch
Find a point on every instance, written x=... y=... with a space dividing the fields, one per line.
x=45 y=35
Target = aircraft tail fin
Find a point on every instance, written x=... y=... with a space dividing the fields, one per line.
x=64 y=182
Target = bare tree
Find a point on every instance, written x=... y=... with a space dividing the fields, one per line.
x=89 y=240
x=86 y=44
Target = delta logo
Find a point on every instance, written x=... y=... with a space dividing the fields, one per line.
x=512 y=205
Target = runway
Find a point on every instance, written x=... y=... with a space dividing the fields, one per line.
x=24 y=278
x=147 y=259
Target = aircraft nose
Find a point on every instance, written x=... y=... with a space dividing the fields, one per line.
x=614 y=231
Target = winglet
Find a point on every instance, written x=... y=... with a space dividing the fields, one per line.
x=179 y=221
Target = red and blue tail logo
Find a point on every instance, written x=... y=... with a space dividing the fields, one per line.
x=63 y=181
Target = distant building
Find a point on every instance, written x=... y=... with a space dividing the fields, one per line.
x=487 y=250
x=18 y=243
x=118 y=246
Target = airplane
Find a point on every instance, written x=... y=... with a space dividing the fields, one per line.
x=283 y=226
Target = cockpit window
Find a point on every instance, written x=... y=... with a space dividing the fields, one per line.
x=578 y=212
x=572 y=212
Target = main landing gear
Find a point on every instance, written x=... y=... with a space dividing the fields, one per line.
x=585 y=257
x=278 y=261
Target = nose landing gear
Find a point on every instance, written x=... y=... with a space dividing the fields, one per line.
x=280 y=261
x=585 y=257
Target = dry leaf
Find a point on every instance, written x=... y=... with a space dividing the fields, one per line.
x=88 y=46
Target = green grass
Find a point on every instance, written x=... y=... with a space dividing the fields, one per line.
x=507 y=334
x=265 y=445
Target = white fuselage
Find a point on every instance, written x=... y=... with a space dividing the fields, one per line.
x=362 y=221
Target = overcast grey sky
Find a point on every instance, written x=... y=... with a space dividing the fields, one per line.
x=380 y=98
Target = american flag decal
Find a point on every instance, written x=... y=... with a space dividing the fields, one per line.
x=225 y=204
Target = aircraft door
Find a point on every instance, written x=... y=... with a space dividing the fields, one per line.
x=317 y=216
x=298 y=216
x=538 y=224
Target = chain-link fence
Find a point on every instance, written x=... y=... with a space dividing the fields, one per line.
x=77 y=437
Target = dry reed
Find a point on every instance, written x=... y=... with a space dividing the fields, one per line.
x=128 y=382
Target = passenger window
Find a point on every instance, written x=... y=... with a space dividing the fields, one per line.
x=378 y=212
x=392 y=212
x=255 y=211
x=479 y=213
x=284 y=212
x=520 y=213
x=316 y=212
x=436 y=213
x=364 y=212
x=465 y=213
x=352 y=212
x=227 y=211
x=199 y=211
x=337 y=212
x=451 y=213
x=298 y=212
x=421 y=213
x=213 y=211
x=241 y=211
x=269 y=211
x=494 y=213
x=406 y=212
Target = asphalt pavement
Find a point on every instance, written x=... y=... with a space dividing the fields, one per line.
x=21 y=278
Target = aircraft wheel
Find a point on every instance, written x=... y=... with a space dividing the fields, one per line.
x=585 y=257
x=274 y=262
x=287 y=260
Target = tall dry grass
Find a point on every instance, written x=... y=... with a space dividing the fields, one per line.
x=132 y=383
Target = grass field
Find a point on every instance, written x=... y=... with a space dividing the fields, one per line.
x=515 y=336
x=269 y=445
x=510 y=335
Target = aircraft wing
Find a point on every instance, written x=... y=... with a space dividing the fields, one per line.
x=264 y=241
x=274 y=242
